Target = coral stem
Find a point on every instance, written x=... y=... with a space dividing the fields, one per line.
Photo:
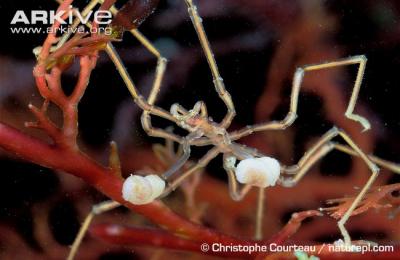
x=78 y=164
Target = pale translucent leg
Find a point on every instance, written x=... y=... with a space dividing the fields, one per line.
x=217 y=79
x=185 y=157
x=238 y=194
x=322 y=147
x=179 y=163
x=211 y=154
x=394 y=167
x=96 y=210
x=258 y=235
x=160 y=71
x=235 y=192
x=297 y=80
x=146 y=119
x=326 y=148
x=147 y=107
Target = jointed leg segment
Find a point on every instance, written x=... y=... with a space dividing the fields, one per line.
x=234 y=191
x=180 y=162
x=211 y=154
x=96 y=210
x=147 y=107
x=217 y=79
x=322 y=147
x=160 y=70
x=304 y=165
x=297 y=81
x=394 y=167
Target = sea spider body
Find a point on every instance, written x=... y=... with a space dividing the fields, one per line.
x=217 y=135
x=202 y=126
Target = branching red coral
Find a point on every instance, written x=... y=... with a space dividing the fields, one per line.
x=378 y=197
x=122 y=235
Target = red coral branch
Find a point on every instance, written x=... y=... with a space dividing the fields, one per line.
x=103 y=179
x=122 y=235
x=293 y=225
x=379 y=197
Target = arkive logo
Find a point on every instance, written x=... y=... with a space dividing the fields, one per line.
x=101 y=17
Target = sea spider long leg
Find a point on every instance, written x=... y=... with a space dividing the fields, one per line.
x=235 y=192
x=294 y=97
x=142 y=103
x=96 y=210
x=217 y=79
x=211 y=154
x=155 y=89
x=315 y=153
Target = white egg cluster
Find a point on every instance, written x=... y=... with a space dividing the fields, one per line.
x=260 y=172
x=141 y=190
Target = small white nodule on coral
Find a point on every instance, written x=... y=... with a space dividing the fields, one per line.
x=141 y=190
x=260 y=172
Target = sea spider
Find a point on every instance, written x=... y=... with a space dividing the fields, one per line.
x=254 y=168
